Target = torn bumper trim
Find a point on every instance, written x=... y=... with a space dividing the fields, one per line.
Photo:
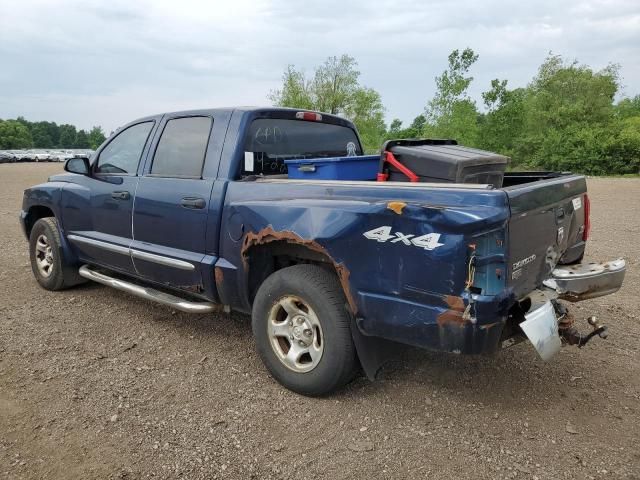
x=541 y=328
x=579 y=282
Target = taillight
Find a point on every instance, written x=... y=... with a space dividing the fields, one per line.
x=309 y=116
x=587 y=218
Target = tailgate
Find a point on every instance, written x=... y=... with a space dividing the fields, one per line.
x=547 y=220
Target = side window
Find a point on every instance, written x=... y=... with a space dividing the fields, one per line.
x=181 y=149
x=123 y=153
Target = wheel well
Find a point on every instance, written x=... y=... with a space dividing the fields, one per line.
x=34 y=214
x=265 y=259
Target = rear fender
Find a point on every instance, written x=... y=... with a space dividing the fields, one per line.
x=408 y=252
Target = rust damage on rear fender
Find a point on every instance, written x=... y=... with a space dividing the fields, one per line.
x=218 y=275
x=396 y=207
x=455 y=314
x=268 y=235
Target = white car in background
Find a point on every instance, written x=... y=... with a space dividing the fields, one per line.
x=42 y=156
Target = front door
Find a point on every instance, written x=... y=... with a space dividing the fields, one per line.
x=97 y=210
x=172 y=205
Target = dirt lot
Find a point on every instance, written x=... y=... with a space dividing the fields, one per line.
x=97 y=384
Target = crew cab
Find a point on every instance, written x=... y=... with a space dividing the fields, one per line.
x=195 y=210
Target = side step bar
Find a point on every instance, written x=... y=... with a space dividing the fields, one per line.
x=149 y=293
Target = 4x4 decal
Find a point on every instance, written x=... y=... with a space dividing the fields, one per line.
x=384 y=234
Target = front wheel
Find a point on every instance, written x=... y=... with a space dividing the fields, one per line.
x=302 y=329
x=46 y=255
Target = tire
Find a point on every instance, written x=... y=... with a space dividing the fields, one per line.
x=47 y=258
x=303 y=309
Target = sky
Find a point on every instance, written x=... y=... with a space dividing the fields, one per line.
x=108 y=62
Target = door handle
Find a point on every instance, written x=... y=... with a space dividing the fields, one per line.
x=120 y=195
x=193 y=202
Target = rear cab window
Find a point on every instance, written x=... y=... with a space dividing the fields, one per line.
x=182 y=147
x=271 y=141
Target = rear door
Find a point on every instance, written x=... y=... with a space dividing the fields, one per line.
x=173 y=203
x=547 y=220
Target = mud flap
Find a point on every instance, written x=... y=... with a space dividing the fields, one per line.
x=373 y=352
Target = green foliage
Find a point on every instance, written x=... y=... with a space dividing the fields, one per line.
x=501 y=126
x=415 y=130
x=565 y=119
x=569 y=118
x=335 y=88
x=295 y=92
x=451 y=113
x=67 y=136
x=628 y=107
x=14 y=135
x=82 y=140
x=21 y=133
x=96 y=137
x=366 y=111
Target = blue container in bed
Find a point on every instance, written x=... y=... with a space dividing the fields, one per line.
x=364 y=167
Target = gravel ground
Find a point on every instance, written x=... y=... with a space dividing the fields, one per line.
x=98 y=384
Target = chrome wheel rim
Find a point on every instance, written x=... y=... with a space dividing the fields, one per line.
x=295 y=334
x=44 y=256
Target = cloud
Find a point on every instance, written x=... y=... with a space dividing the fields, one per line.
x=107 y=62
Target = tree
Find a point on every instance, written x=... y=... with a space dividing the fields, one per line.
x=569 y=117
x=295 y=92
x=366 y=111
x=14 y=135
x=41 y=136
x=501 y=126
x=334 y=88
x=628 y=107
x=82 y=140
x=415 y=130
x=96 y=137
x=418 y=124
x=451 y=112
x=395 y=127
x=67 y=136
x=335 y=84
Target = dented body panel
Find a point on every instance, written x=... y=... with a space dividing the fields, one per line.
x=396 y=289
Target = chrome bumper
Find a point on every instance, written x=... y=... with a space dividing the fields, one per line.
x=575 y=283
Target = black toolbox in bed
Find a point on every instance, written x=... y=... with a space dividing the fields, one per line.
x=429 y=160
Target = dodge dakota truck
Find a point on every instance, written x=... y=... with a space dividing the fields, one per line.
x=195 y=210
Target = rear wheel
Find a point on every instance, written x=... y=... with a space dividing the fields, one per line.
x=302 y=330
x=46 y=254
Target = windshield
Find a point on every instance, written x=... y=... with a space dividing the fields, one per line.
x=271 y=141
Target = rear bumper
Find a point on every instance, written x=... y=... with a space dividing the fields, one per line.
x=449 y=325
x=548 y=331
x=474 y=324
x=575 y=283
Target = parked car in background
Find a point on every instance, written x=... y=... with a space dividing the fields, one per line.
x=38 y=155
x=61 y=156
x=25 y=156
x=41 y=156
x=7 y=157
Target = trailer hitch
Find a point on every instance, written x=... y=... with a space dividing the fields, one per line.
x=567 y=331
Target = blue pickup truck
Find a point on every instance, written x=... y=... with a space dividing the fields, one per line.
x=195 y=210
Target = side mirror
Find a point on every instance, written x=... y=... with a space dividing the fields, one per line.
x=79 y=165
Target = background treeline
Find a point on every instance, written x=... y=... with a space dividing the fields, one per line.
x=566 y=118
x=20 y=133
